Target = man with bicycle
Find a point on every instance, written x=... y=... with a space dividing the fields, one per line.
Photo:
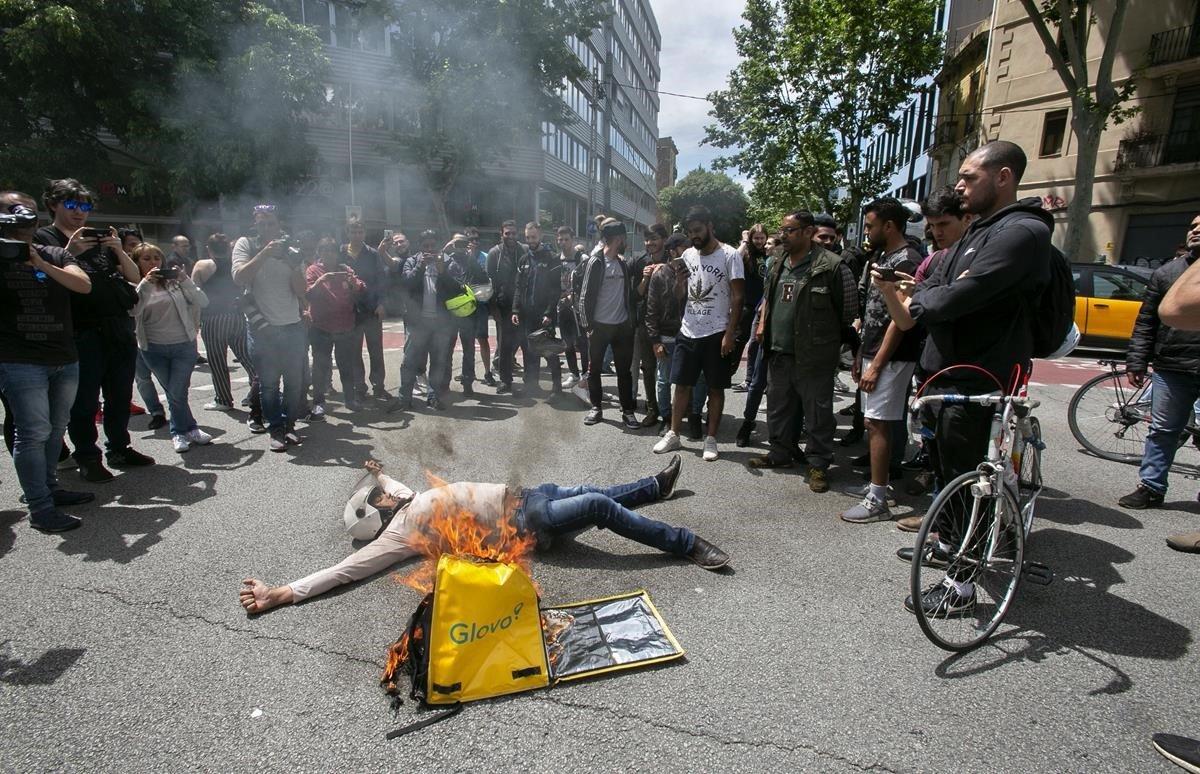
x=977 y=308
x=1175 y=383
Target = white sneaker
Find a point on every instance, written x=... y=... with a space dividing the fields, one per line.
x=198 y=436
x=668 y=443
x=181 y=443
x=318 y=412
x=710 y=449
x=217 y=406
x=581 y=391
x=569 y=381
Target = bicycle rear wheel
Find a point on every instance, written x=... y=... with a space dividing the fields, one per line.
x=1109 y=418
x=990 y=558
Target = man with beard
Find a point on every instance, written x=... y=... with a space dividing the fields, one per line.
x=429 y=329
x=502 y=263
x=707 y=334
x=977 y=311
x=483 y=313
x=644 y=362
x=368 y=265
x=539 y=288
x=465 y=268
x=606 y=309
x=574 y=338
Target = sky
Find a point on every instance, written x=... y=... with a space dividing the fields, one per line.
x=697 y=54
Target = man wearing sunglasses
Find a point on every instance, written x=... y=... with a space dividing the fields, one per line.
x=104 y=331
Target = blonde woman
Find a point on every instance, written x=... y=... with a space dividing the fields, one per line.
x=168 y=317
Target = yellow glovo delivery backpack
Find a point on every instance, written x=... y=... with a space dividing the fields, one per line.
x=481 y=633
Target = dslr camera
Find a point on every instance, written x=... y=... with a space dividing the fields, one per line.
x=18 y=217
x=291 y=253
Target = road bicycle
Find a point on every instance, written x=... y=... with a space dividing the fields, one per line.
x=975 y=530
x=1110 y=418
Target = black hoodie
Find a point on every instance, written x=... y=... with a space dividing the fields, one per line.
x=985 y=318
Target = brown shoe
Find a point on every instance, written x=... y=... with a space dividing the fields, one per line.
x=1188 y=542
x=817 y=481
x=767 y=461
x=910 y=523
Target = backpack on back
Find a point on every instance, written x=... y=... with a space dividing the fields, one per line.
x=1054 y=312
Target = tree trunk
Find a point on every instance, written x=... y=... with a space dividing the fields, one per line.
x=1088 y=128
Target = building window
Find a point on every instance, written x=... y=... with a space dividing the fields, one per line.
x=1054 y=132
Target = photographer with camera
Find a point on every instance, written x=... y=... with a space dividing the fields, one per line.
x=429 y=283
x=104 y=331
x=463 y=265
x=271 y=270
x=168 y=319
x=39 y=368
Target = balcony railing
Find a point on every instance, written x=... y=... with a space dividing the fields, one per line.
x=1159 y=150
x=1174 y=45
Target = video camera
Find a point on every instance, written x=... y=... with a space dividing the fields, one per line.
x=18 y=217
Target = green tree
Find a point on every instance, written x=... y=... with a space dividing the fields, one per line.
x=1095 y=99
x=715 y=190
x=812 y=69
x=486 y=75
x=200 y=97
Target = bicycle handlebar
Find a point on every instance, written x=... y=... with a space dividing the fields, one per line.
x=992 y=399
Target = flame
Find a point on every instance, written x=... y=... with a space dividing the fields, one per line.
x=452 y=529
x=397 y=657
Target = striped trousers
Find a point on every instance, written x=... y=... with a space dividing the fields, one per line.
x=219 y=333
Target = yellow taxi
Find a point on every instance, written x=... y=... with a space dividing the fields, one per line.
x=1107 y=300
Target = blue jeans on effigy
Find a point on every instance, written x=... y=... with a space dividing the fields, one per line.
x=1174 y=394
x=550 y=510
x=40 y=398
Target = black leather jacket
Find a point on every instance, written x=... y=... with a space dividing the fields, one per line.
x=1157 y=344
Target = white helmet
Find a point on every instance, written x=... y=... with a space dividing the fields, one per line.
x=916 y=220
x=363 y=520
x=1069 y=343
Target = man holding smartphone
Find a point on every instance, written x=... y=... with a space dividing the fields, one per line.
x=104 y=330
x=887 y=355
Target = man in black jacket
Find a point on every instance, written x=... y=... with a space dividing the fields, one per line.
x=104 y=332
x=464 y=267
x=606 y=312
x=644 y=362
x=502 y=263
x=428 y=284
x=539 y=288
x=1175 y=384
x=369 y=266
x=978 y=311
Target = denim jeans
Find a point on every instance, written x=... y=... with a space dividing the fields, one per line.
x=280 y=352
x=550 y=510
x=427 y=344
x=145 y=386
x=662 y=382
x=172 y=365
x=40 y=398
x=1174 y=395
x=346 y=347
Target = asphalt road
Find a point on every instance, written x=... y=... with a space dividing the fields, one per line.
x=122 y=646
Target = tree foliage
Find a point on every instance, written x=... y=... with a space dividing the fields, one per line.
x=200 y=97
x=820 y=77
x=1095 y=99
x=715 y=190
x=486 y=75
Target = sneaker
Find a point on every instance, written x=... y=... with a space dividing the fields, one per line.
x=710 y=449
x=256 y=426
x=246 y=402
x=489 y=379
x=868 y=511
x=744 y=433
x=278 y=441
x=569 y=381
x=766 y=461
x=742 y=387
x=157 y=421
x=53 y=520
x=199 y=437
x=180 y=443
x=942 y=601
x=91 y=469
x=668 y=443
x=841 y=386
x=818 y=481
x=910 y=523
x=1180 y=750
x=852 y=436
x=932 y=556
x=381 y=393
x=648 y=421
x=318 y=412
x=920 y=484
x=707 y=555
x=64 y=498
x=1188 y=542
x=435 y=403
x=217 y=405
x=593 y=417
x=694 y=431
x=504 y=388
x=630 y=421
x=400 y=404
x=668 y=476
x=291 y=437
x=128 y=458
x=861 y=461
x=1141 y=498
x=848 y=411
x=865 y=491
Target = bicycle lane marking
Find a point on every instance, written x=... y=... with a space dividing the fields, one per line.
x=1067 y=372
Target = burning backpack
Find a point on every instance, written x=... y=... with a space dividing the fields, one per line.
x=480 y=633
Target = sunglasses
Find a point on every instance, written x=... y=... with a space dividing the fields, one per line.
x=72 y=204
x=264 y=208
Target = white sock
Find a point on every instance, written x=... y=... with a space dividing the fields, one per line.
x=965 y=590
x=879 y=493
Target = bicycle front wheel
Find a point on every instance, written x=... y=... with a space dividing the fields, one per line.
x=1029 y=479
x=973 y=534
x=1109 y=418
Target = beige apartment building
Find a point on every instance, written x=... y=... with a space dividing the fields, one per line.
x=1148 y=171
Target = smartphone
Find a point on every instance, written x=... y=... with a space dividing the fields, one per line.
x=887 y=274
x=168 y=272
x=96 y=233
x=387 y=234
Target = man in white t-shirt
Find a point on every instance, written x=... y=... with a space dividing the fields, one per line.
x=715 y=287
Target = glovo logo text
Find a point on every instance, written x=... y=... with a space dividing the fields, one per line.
x=464 y=633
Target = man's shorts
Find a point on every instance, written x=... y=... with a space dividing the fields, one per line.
x=701 y=356
x=887 y=401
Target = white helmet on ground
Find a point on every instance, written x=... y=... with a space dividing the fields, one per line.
x=363 y=520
